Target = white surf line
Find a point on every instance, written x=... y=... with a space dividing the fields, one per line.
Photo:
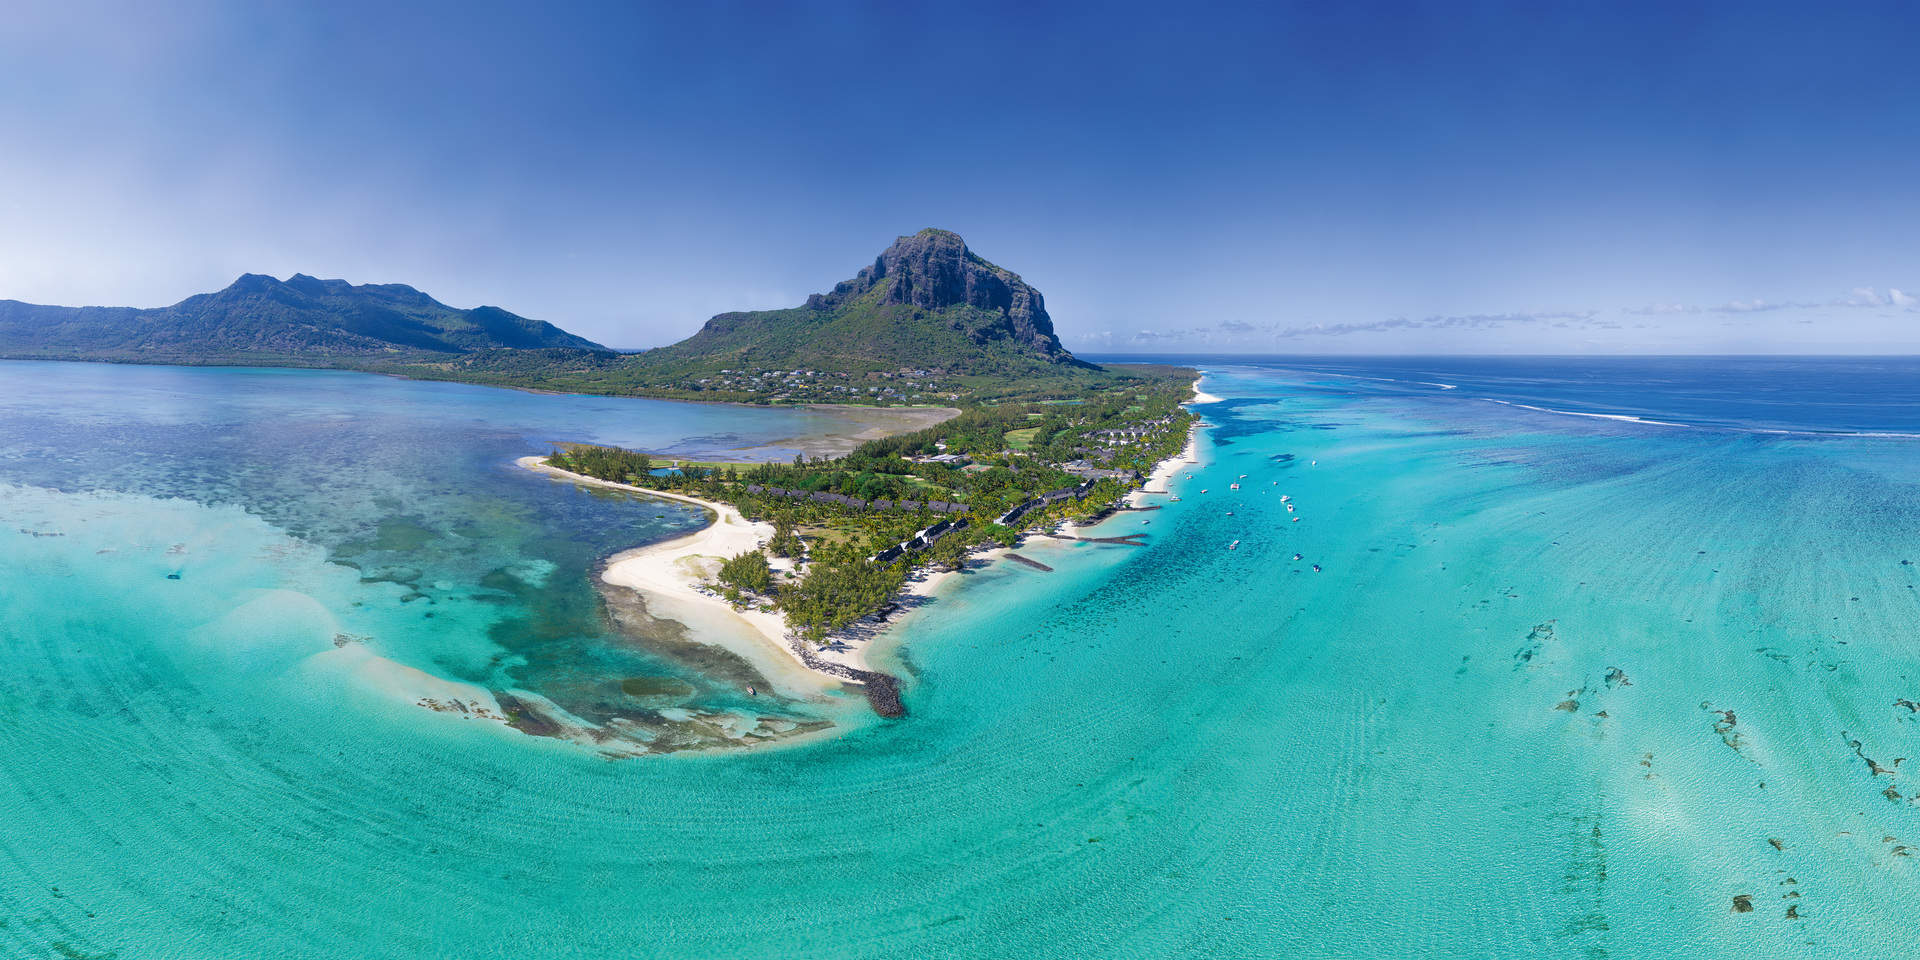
x=1621 y=417
x=1356 y=376
x=1729 y=428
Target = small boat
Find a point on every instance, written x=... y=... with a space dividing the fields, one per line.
x=1229 y=513
x=1243 y=476
x=1313 y=463
x=1289 y=508
x=1316 y=568
x=1174 y=500
x=1234 y=545
x=751 y=692
x=1296 y=556
x=1203 y=491
x=1296 y=519
x=1233 y=486
x=1284 y=498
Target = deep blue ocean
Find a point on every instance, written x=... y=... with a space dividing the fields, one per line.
x=1489 y=671
x=1819 y=395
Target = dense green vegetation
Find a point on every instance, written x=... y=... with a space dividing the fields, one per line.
x=978 y=470
x=607 y=463
x=748 y=571
x=786 y=542
x=836 y=593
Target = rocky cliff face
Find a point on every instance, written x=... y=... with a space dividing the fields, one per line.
x=933 y=270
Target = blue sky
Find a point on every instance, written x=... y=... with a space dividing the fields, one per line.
x=1311 y=178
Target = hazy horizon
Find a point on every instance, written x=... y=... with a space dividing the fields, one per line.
x=1272 y=180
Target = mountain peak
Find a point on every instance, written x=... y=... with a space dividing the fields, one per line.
x=926 y=302
x=311 y=286
x=934 y=270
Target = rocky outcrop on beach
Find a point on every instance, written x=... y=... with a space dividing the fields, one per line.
x=883 y=689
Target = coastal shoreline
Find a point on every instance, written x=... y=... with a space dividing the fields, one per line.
x=1166 y=470
x=672 y=574
x=671 y=577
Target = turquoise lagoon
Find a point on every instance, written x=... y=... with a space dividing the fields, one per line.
x=1563 y=686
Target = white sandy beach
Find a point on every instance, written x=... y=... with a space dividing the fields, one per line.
x=1201 y=396
x=672 y=573
x=1166 y=470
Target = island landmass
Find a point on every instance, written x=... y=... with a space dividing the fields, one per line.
x=976 y=428
x=815 y=557
x=928 y=322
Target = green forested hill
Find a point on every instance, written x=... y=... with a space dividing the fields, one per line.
x=300 y=320
x=926 y=302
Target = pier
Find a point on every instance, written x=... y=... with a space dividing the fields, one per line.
x=882 y=689
x=1131 y=539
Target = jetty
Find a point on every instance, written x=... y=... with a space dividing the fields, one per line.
x=1130 y=540
x=882 y=689
x=1029 y=561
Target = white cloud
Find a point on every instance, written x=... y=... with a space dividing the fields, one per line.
x=1656 y=309
x=1462 y=321
x=1858 y=297
x=1752 y=306
x=1869 y=297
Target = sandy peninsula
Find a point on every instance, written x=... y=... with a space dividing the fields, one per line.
x=1201 y=396
x=673 y=574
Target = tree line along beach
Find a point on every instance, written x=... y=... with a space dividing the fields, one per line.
x=825 y=638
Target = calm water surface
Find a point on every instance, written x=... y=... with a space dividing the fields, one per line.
x=1562 y=686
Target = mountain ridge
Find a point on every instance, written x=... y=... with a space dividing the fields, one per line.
x=302 y=318
x=926 y=321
